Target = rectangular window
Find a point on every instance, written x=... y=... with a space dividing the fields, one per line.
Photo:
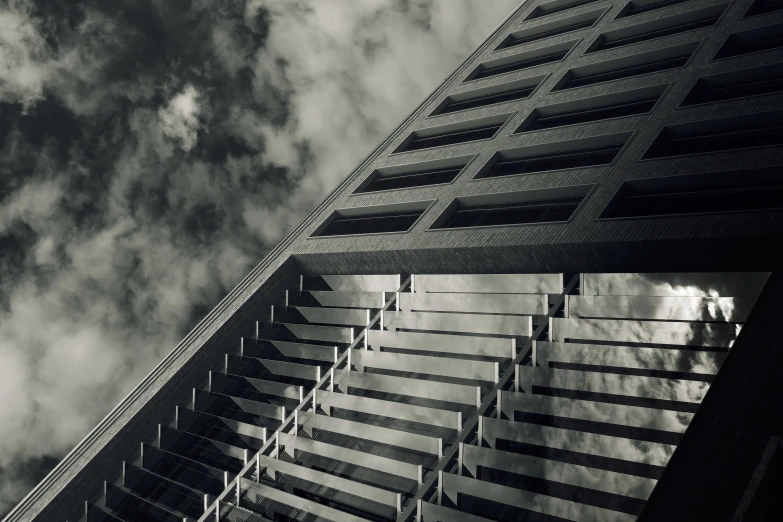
x=521 y=61
x=736 y=84
x=585 y=152
x=416 y=175
x=627 y=67
x=557 y=6
x=455 y=134
x=547 y=30
x=636 y=7
x=752 y=41
x=372 y=220
x=670 y=25
x=628 y=103
x=744 y=190
x=556 y=205
x=739 y=132
x=518 y=90
x=763 y=7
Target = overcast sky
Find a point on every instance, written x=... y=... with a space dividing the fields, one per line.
x=153 y=151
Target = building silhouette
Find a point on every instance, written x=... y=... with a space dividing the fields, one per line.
x=550 y=294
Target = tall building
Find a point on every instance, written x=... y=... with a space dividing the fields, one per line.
x=550 y=294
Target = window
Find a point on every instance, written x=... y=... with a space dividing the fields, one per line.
x=586 y=152
x=464 y=132
x=636 y=7
x=556 y=205
x=416 y=175
x=738 y=132
x=752 y=41
x=736 y=84
x=744 y=190
x=680 y=23
x=521 y=61
x=518 y=90
x=627 y=67
x=372 y=220
x=556 y=7
x=628 y=103
x=764 y=7
x=547 y=30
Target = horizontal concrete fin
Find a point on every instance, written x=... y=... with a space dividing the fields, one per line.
x=453 y=485
x=441 y=366
x=622 y=415
x=563 y=472
x=665 y=359
x=490 y=283
x=696 y=284
x=464 y=323
x=529 y=304
x=608 y=446
x=440 y=391
x=292 y=443
x=442 y=343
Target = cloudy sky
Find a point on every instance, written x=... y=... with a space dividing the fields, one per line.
x=153 y=151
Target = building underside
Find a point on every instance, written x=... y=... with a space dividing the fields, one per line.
x=550 y=294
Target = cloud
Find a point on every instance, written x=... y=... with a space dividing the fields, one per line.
x=179 y=119
x=23 y=55
x=152 y=152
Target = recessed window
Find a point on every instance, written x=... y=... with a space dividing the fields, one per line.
x=547 y=30
x=586 y=152
x=521 y=61
x=736 y=84
x=627 y=67
x=743 y=190
x=763 y=7
x=670 y=25
x=739 y=132
x=518 y=90
x=455 y=134
x=628 y=103
x=636 y=7
x=556 y=205
x=752 y=41
x=557 y=6
x=372 y=220
x=416 y=175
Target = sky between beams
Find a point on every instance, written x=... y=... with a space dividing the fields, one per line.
x=151 y=153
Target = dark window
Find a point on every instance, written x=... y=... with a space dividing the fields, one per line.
x=574 y=79
x=741 y=132
x=539 y=211
x=764 y=6
x=556 y=7
x=553 y=161
x=566 y=25
x=562 y=117
x=752 y=41
x=635 y=8
x=419 y=178
x=418 y=142
x=370 y=223
x=758 y=189
x=485 y=71
x=555 y=205
x=668 y=26
x=452 y=105
x=737 y=84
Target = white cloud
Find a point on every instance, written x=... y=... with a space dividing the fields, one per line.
x=23 y=55
x=179 y=120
